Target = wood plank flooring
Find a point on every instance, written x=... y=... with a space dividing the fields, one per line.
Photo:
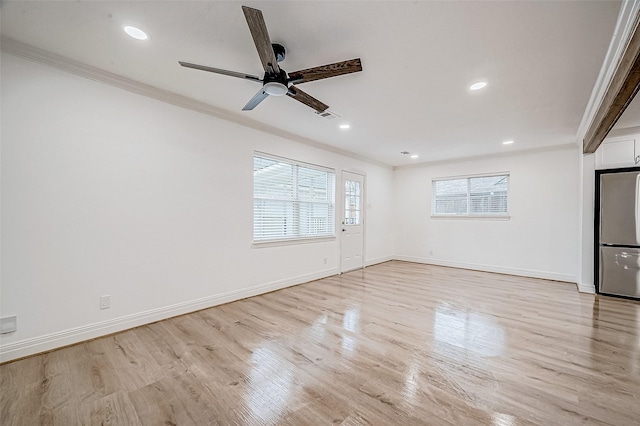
x=396 y=343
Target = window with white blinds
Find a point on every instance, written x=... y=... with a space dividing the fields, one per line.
x=471 y=196
x=291 y=200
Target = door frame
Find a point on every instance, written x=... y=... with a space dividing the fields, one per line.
x=340 y=217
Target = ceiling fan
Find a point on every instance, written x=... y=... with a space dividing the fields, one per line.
x=276 y=81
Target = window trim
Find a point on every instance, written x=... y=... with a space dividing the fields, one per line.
x=291 y=241
x=273 y=242
x=482 y=216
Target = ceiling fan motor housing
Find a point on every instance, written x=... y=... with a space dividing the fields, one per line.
x=279 y=51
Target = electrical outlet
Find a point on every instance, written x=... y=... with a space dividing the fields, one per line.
x=430 y=252
x=325 y=260
x=105 y=302
x=8 y=324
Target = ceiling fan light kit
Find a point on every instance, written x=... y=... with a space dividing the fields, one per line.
x=275 y=89
x=276 y=81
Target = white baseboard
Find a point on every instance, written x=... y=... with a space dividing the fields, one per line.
x=586 y=288
x=490 y=268
x=59 y=339
x=377 y=260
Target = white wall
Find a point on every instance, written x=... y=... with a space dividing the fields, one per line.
x=586 y=282
x=109 y=192
x=539 y=240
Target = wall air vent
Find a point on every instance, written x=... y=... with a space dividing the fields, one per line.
x=327 y=114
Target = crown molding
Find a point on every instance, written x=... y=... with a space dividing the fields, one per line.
x=34 y=54
x=550 y=148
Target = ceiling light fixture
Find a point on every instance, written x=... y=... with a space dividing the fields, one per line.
x=479 y=85
x=507 y=142
x=345 y=126
x=136 y=33
x=414 y=155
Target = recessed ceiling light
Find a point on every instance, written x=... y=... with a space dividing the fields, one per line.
x=136 y=33
x=479 y=85
x=414 y=155
x=507 y=142
x=345 y=126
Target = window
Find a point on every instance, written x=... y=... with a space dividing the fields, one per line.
x=291 y=200
x=471 y=196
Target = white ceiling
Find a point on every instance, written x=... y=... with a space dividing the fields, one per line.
x=541 y=60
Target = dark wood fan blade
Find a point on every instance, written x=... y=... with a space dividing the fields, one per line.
x=220 y=71
x=261 y=39
x=259 y=97
x=325 y=71
x=306 y=99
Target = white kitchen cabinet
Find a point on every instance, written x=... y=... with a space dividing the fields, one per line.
x=619 y=151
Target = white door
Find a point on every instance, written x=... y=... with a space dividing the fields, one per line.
x=352 y=222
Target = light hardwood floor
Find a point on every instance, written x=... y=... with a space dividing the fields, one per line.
x=397 y=343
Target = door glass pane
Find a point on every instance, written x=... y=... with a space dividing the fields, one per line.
x=352 y=202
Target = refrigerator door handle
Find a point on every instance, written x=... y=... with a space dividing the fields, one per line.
x=628 y=260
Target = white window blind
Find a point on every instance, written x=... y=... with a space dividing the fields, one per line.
x=291 y=200
x=471 y=196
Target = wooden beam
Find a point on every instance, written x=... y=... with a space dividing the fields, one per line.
x=623 y=87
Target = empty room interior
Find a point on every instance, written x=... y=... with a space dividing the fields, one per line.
x=320 y=212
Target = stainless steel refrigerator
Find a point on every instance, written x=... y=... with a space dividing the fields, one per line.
x=618 y=232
